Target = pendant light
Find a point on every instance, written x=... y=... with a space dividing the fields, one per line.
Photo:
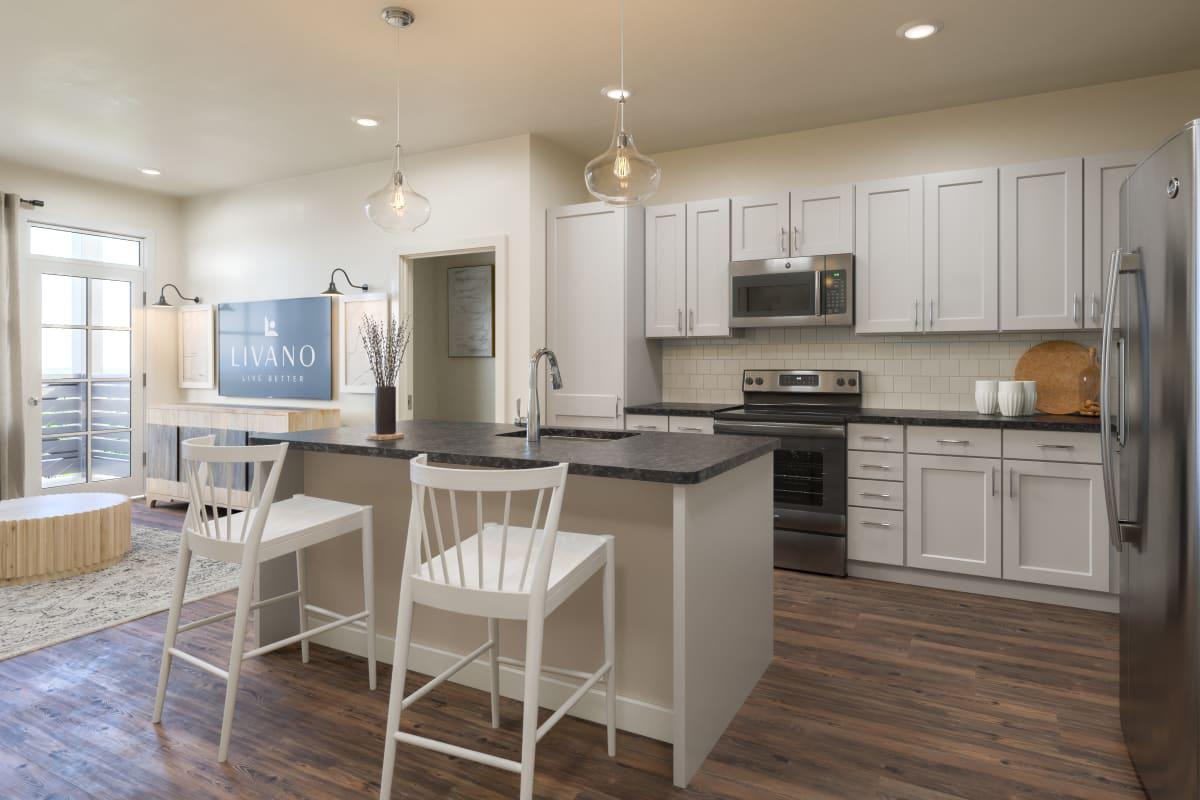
x=621 y=176
x=397 y=207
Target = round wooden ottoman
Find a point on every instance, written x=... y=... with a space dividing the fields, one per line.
x=56 y=535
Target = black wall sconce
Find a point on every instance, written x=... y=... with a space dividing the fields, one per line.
x=332 y=291
x=161 y=302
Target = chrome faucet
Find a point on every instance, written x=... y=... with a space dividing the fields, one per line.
x=533 y=429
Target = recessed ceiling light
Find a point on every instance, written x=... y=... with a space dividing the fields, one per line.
x=366 y=122
x=149 y=171
x=918 y=29
x=616 y=93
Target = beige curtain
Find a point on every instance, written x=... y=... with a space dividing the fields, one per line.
x=12 y=410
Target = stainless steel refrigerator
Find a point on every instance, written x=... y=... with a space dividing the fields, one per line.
x=1151 y=361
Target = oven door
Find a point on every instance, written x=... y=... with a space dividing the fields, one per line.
x=810 y=473
x=779 y=292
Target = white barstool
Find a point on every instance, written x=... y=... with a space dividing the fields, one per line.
x=497 y=572
x=265 y=530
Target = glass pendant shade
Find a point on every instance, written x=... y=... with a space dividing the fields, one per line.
x=397 y=207
x=622 y=176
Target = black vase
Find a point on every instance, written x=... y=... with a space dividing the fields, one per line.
x=385 y=409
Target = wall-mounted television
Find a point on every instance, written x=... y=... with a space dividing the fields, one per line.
x=276 y=349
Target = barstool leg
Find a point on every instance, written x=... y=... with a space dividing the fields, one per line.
x=240 y=618
x=368 y=545
x=181 y=573
x=494 y=636
x=533 y=672
x=396 y=698
x=610 y=643
x=302 y=598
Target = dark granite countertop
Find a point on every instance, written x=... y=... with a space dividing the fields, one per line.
x=653 y=457
x=970 y=419
x=681 y=409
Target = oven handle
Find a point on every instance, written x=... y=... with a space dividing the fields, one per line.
x=812 y=430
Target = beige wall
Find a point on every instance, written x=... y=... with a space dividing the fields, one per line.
x=445 y=388
x=81 y=202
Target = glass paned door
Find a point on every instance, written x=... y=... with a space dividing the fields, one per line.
x=83 y=356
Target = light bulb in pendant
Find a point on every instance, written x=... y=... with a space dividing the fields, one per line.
x=397 y=207
x=622 y=176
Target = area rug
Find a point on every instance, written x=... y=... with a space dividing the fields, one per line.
x=41 y=614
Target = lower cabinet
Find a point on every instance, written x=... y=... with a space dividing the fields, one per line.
x=954 y=514
x=1055 y=528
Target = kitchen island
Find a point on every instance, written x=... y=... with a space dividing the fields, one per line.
x=692 y=517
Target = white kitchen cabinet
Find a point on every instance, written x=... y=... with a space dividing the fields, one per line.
x=1055 y=527
x=954 y=514
x=1041 y=245
x=1102 y=179
x=888 y=247
x=759 y=226
x=822 y=220
x=961 y=258
x=666 y=270
x=595 y=306
x=708 y=268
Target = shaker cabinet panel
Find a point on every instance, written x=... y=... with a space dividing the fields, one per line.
x=708 y=268
x=1041 y=245
x=760 y=227
x=666 y=295
x=962 y=238
x=1055 y=524
x=823 y=221
x=1102 y=179
x=953 y=509
x=888 y=246
x=162 y=452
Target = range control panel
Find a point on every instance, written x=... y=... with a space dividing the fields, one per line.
x=807 y=381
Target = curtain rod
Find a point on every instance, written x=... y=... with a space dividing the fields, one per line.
x=34 y=203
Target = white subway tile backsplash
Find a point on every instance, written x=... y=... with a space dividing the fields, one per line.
x=934 y=371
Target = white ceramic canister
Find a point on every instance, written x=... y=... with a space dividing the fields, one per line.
x=987 y=395
x=1030 y=389
x=1011 y=398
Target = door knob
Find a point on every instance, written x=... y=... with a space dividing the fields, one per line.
x=34 y=401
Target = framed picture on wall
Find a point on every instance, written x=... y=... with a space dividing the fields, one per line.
x=197 y=368
x=276 y=349
x=355 y=370
x=471 y=300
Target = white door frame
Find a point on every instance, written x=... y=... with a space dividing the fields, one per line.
x=404 y=307
x=32 y=268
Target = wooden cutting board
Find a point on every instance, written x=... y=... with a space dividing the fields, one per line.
x=1056 y=367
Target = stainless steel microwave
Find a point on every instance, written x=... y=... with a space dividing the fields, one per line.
x=777 y=292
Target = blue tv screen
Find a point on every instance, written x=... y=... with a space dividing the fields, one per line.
x=276 y=349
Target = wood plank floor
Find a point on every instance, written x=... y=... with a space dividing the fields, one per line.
x=877 y=691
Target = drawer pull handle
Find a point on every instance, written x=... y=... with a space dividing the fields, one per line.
x=1057 y=446
x=691 y=430
x=875 y=437
x=953 y=441
x=646 y=427
x=877 y=524
x=875 y=466
x=880 y=495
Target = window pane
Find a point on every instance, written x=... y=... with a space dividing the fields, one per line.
x=111 y=302
x=110 y=354
x=63 y=461
x=63 y=298
x=64 y=353
x=110 y=456
x=110 y=405
x=59 y=243
x=64 y=408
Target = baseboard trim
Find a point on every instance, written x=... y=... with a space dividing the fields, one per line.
x=635 y=716
x=1054 y=595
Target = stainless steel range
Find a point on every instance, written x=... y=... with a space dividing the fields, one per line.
x=806 y=410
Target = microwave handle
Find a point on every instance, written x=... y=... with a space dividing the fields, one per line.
x=819 y=277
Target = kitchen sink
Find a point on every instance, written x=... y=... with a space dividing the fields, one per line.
x=575 y=434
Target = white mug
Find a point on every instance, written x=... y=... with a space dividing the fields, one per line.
x=987 y=397
x=1030 y=389
x=1011 y=398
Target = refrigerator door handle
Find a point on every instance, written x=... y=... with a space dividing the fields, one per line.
x=1106 y=456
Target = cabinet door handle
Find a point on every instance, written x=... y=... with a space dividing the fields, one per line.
x=877 y=524
x=1057 y=446
x=796 y=240
x=679 y=320
x=995 y=480
x=1095 y=307
x=876 y=437
x=916 y=314
x=930 y=313
x=691 y=320
x=1012 y=483
x=783 y=241
x=874 y=466
x=953 y=441
x=880 y=495
x=1075 y=308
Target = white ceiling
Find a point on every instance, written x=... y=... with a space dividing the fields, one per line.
x=222 y=93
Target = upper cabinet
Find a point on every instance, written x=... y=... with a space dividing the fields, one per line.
x=961 y=260
x=822 y=221
x=760 y=227
x=888 y=247
x=1041 y=245
x=1102 y=179
x=687 y=269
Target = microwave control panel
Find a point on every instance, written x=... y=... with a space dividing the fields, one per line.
x=835 y=291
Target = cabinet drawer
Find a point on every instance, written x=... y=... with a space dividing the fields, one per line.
x=690 y=424
x=874 y=535
x=875 y=466
x=889 y=438
x=978 y=442
x=645 y=422
x=875 y=494
x=1075 y=448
